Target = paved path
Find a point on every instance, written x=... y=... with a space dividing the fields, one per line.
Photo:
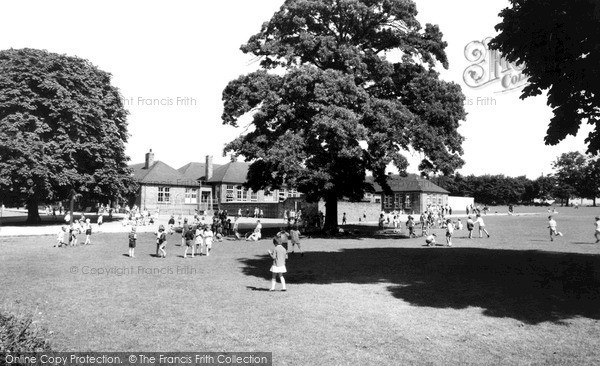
x=13 y=225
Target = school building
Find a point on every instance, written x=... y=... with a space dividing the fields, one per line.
x=411 y=194
x=203 y=187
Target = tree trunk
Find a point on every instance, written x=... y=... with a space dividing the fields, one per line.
x=331 y=213
x=33 y=213
x=594 y=202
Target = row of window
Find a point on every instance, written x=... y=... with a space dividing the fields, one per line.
x=190 y=195
x=238 y=193
x=232 y=194
x=397 y=201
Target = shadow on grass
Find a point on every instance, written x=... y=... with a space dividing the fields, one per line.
x=531 y=286
x=253 y=288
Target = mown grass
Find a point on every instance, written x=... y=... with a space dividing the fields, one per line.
x=515 y=298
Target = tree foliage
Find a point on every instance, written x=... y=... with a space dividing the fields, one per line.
x=345 y=87
x=62 y=128
x=569 y=169
x=575 y=176
x=558 y=42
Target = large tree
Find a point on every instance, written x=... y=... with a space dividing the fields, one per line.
x=346 y=87
x=591 y=176
x=570 y=175
x=558 y=43
x=62 y=129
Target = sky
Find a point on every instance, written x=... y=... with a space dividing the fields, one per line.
x=172 y=60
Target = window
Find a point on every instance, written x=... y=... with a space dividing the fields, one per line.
x=164 y=194
x=292 y=192
x=407 y=202
x=282 y=195
x=388 y=202
x=270 y=196
x=229 y=193
x=253 y=196
x=397 y=201
x=191 y=195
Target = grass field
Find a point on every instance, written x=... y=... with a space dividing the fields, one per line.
x=515 y=298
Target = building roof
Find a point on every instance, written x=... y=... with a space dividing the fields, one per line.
x=195 y=171
x=233 y=172
x=411 y=183
x=161 y=174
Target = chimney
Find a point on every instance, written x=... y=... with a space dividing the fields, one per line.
x=208 y=168
x=149 y=159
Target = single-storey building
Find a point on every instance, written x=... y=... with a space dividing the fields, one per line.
x=411 y=194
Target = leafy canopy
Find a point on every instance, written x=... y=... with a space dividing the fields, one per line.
x=62 y=127
x=345 y=87
x=558 y=42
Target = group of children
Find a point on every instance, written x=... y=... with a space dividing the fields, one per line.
x=450 y=226
x=293 y=235
x=69 y=237
x=198 y=239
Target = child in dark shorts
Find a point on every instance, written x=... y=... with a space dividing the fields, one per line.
x=132 y=241
x=470 y=226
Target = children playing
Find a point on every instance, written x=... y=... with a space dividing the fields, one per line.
x=552 y=227
x=132 y=241
x=459 y=225
x=279 y=256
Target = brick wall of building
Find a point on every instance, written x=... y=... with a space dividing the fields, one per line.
x=148 y=199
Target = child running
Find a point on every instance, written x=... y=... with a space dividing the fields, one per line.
x=295 y=234
x=278 y=268
x=552 y=227
x=481 y=226
x=132 y=242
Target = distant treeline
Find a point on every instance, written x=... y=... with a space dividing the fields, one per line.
x=576 y=176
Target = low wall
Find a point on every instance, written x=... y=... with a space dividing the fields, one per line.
x=355 y=211
x=459 y=204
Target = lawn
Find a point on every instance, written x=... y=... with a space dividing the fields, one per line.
x=515 y=298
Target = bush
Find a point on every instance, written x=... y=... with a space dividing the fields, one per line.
x=18 y=333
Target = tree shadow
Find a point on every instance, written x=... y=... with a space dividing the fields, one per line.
x=531 y=286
